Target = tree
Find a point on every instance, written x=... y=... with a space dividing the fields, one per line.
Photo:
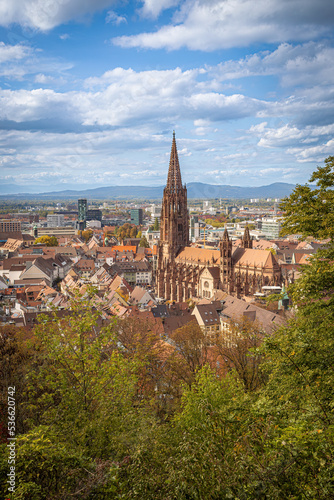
x=17 y=351
x=87 y=234
x=143 y=242
x=310 y=212
x=156 y=225
x=126 y=231
x=49 y=241
x=133 y=232
x=88 y=383
x=237 y=350
x=191 y=351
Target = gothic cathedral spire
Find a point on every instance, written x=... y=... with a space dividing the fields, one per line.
x=174 y=182
x=174 y=225
x=174 y=222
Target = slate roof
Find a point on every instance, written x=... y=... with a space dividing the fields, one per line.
x=208 y=314
x=234 y=308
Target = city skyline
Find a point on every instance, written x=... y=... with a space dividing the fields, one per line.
x=90 y=92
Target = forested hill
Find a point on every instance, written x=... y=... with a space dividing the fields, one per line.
x=195 y=190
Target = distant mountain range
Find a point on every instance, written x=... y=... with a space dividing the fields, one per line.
x=195 y=190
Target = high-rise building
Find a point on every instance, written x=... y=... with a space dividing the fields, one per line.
x=82 y=209
x=136 y=215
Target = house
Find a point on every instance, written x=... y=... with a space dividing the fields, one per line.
x=40 y=269
x=233 y=309
x=207 y=316
x=140 y=297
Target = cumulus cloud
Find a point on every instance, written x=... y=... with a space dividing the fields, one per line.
x=13 y=52
x=307 y=64
x=214 y=24
x=114 y=18
x=314 y=154
x=46 y=14
x=20 y=61
x=123 y=97
x=152 y=8
x=307 y=144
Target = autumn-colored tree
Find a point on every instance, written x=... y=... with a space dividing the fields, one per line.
x=87 y=234
x=49 y=241
x=191 y=351
x=133 y=232
x=126 y=231
x=237 y=351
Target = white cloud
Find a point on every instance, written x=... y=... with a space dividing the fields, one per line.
x=152 y=8
x=215 y=24
x=314 y=154
x=13 y=52
x=46 y=14
x=125 y=97
x=114 y=18
x=308 y=64
x=307 y=144
x=20 y=61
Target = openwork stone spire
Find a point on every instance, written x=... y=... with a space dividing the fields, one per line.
x=247 y=240
x=174 y=221
x=174 y=181
x=225 y=235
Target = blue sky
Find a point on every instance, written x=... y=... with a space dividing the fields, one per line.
x=91 y=91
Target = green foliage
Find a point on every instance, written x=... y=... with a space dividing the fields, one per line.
x=49 y=241
x=156 y=225
x=143 y=242
x=88 y=384
x=310 y=212
x=218 y=222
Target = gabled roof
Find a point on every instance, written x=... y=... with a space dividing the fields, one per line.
x=207 y=313
x=235 y=308
x=214 y=272
x=254 y=258
x=200 y=255
x=13 y=244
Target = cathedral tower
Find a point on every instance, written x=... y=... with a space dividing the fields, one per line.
x=174 y=225
x=174 y=221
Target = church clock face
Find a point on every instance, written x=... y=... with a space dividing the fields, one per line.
x=206 y=284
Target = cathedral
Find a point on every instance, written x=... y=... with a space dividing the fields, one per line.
x=185 y=272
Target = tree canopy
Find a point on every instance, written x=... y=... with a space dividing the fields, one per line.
x=49 y=241
x=310 y=211
x=143 y=242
